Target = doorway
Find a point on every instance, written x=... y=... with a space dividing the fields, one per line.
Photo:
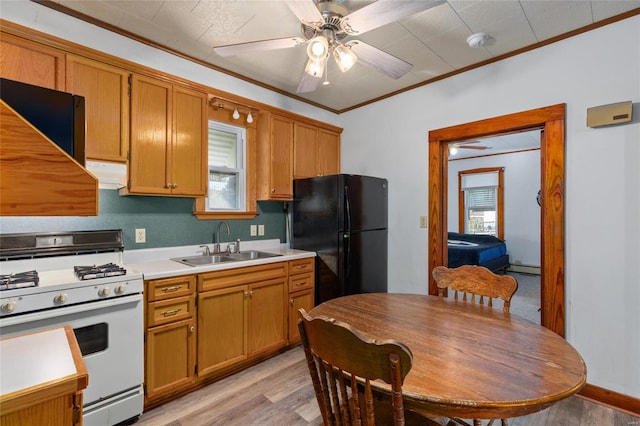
x=551 y=121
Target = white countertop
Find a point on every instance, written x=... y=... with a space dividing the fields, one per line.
x=34 y=359
x=157 y=263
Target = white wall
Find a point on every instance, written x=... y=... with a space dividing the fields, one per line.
x=602 y=179
x=521 y=211
x=603 y=254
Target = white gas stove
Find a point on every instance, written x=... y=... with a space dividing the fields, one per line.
x=77 y=278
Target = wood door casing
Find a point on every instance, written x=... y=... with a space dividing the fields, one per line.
x=551 y=120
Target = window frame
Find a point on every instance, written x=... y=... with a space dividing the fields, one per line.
x=462 y=208
x=241 y=170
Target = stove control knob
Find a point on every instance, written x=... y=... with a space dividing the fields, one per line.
x=60 y=299
x=103 y=292
x=9 y=307
x=121 y=289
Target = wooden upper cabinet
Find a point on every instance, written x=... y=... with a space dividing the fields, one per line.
x=328 y=152
x=316 y=151
x=275 y=156
x=31 y=63
x=305 y=150
x=168 y=139
x=189 y=148
x=105 y=89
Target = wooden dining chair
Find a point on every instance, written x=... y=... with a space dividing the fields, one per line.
x=475 y=283
x=340 y=360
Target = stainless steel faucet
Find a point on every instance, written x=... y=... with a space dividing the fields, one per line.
x=216 y=246
x=206 y=251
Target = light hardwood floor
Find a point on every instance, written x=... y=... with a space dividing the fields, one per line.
x=278 y=392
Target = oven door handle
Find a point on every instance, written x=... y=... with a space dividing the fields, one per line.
x=68 y=310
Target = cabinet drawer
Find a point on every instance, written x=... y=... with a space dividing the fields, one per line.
x=167 y=288
x=300 y=282
x=300 y=266
x=237 y=276
x=170 y=310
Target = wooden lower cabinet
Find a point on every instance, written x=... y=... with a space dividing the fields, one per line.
x=301 y=289
x=170 y=358
x=170 y=336
x=201 y=328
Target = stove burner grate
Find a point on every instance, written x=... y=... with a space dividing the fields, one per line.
x=100 y=271
x=19 y=280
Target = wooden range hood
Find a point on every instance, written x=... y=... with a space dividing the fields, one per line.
x=37 y=178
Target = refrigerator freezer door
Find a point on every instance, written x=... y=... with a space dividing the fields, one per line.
x=365 y=202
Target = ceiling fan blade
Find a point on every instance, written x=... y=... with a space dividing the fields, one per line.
x=379 y=60
x=471 y=147
x=305 y=10
x=308 y=83
x=383 y=12
x=255 y=46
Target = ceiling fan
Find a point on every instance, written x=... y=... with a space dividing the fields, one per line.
x=326 y=24
x=453 y=148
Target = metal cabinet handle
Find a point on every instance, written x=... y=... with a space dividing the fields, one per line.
x=171 y=289
x=291 y=302
x=273 y=190
x=192 y=329
x=171 y=313
x=300 y=284
x=174 y=186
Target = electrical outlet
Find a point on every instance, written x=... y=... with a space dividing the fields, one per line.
x=423 y=222
x=260 y=230
x=254 y=230
x=141 y=235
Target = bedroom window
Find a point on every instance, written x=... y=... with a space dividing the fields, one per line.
x=480 y=201
x=226 y=168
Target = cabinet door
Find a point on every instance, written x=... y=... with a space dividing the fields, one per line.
x=106 y=92
x=267 y=315
x=305 y=148
x=222 y=329
x=281 y=158
x=31 y=63
x=188 y=157
x=170 y=358
x=328 y=153
x=151 y=102
x=301 y=299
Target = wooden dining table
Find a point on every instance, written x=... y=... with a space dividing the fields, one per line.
x=469 y=360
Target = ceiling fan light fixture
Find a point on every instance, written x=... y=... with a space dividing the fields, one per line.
x=344 y=56
x=318 y=48
x=315 y=68
x=235 y=114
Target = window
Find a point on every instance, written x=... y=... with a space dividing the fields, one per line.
x=481 y=210
x=480 y=201
x=226 y=168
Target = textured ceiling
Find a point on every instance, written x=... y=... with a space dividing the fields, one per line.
x=434 y=41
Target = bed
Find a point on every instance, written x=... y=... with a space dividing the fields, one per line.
x=482 y=250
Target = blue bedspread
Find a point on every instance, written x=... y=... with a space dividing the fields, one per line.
x=469 y=249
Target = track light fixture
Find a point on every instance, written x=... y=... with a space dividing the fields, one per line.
x=235 y=114
x=222 y=103
x=249 y=118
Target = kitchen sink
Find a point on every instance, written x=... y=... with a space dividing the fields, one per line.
x=223 y=258
x=252 y=254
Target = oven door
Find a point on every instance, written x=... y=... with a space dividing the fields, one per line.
x=110 y=336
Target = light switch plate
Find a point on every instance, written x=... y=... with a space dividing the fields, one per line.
x=423 y=222
x=260 y=230
x=253 y=230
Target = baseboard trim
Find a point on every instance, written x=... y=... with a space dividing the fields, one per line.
x=613 y=399
x=525 y=269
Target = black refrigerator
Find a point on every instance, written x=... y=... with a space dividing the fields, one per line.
x=343 y=218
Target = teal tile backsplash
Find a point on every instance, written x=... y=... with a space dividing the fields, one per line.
x=168 y=221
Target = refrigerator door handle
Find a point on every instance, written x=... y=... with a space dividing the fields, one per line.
x=347 y=207
x=346 y=238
